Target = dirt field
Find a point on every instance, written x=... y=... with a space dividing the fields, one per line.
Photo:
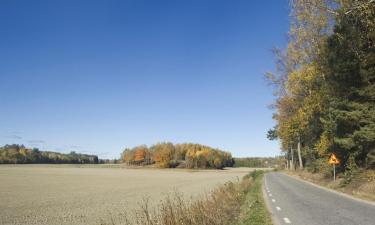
x=58 y=195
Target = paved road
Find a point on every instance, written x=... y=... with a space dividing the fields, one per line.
x=292 y=201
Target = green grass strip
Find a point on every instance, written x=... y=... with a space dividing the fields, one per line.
x=254 y=211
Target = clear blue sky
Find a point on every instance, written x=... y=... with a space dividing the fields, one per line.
x=99 y=76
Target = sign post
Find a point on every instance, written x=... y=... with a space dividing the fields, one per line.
x=334 y=161
x=334 y=172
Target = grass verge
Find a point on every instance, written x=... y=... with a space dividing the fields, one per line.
x=362 y=185
x=254 y=211
x=234 y=203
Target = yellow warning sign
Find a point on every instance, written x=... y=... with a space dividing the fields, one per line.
x=333 y=160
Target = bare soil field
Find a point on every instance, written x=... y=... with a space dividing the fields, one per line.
x=59 y=195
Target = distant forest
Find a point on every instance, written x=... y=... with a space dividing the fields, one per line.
x=164 y=155
x=19 y=154
x=259 y=162
x=168 y=155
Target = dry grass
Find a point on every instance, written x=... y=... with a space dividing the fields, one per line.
x=234 y=203
x=222 y=206
x=364 y=185
x=58 y=195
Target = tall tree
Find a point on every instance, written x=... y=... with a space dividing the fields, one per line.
x=325 y=86
x=349 y=60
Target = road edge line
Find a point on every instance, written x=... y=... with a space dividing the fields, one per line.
x=348 y=196
x=274 y=219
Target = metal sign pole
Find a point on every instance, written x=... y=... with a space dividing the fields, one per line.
x=334 y=172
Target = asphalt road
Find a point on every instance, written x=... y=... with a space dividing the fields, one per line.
x=292 y=201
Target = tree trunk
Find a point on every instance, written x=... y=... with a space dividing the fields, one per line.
x=299 y=153
x=292 y=161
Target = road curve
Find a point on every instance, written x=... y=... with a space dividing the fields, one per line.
x=292 y=201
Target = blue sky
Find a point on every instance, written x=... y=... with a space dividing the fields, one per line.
x=99 y=76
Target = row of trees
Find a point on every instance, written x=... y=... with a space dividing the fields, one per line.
x=168 y=155
x=325 y=84
x=20 y=154
x=259 y=162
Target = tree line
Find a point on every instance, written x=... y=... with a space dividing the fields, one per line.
x=259 y=162
x=19 y=154
x=168 y=155
x=325 y=85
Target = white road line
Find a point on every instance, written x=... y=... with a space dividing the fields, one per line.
x=265 y=184
x=278 y=208
x=273 y=200
x=286 y=220
x=270 y=195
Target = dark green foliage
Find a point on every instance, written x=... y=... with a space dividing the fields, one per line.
x=351 y=170
x=257 y=162
x=18 y=154
x=329 y=99
x=272 y=134
x=255 y=174
x=370 y=159
x=321 y=166
x=349 y=62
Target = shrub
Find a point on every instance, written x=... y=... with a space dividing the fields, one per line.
x=173 y=163
x=351 y=171
x=370 y=159
x=218 y=163
x=321 y=166
x=220 y=207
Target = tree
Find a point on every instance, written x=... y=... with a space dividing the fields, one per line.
x=326 y=82
x=272 y=134
x=21 y=154
x=140 y=153
x=349 y=60
x=167 y=155
x=163 y=154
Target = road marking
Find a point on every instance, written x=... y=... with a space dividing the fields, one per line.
x=278 y=208
x=286 y=220
x=270 y=195
x=273 y=200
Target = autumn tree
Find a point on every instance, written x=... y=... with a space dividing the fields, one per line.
x=163 y=154
x=167 y=155
x=140 y=153
x=21 y=154
x=325 y=84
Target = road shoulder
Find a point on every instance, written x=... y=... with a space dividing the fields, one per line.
x=351 y=197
